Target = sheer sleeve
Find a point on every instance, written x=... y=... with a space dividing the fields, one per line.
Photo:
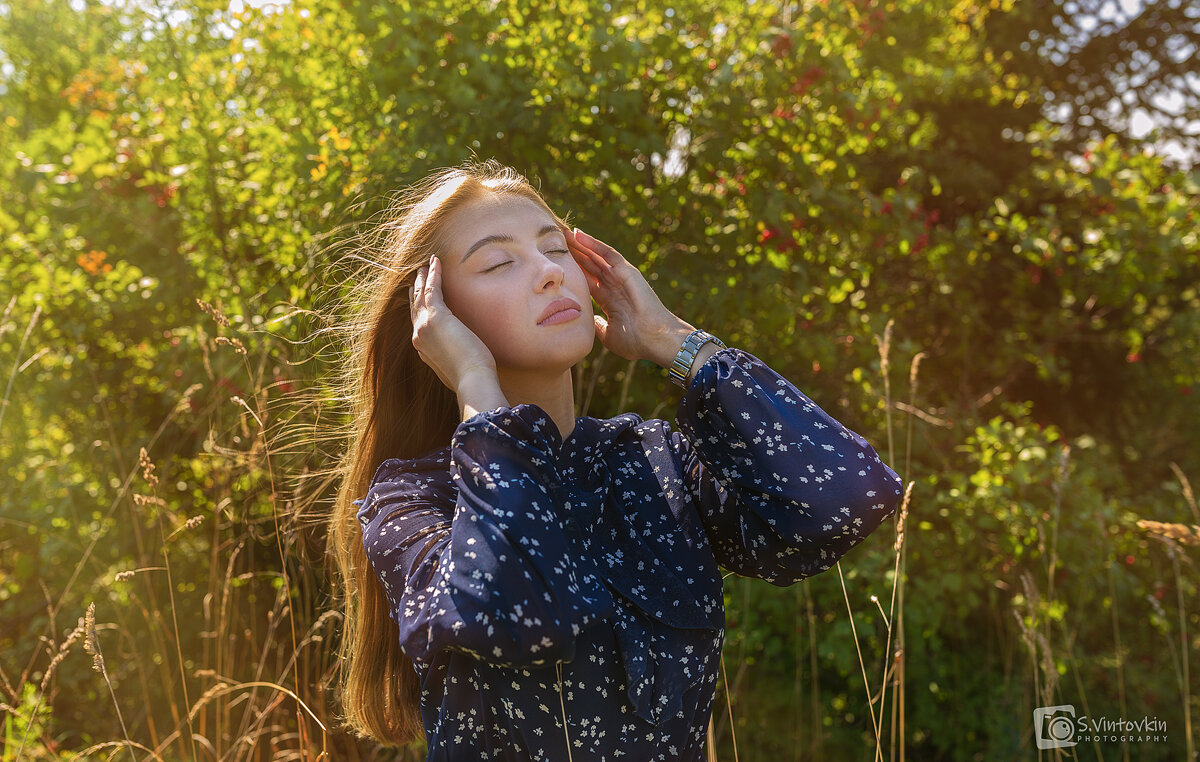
x=482 y=565
x=782 y=488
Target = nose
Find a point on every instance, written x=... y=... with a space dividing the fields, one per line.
x=550 y=273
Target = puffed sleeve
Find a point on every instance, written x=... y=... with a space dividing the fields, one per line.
x=783 y=489
x=489 y=572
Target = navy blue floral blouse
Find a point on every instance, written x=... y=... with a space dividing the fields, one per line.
x=557 y=594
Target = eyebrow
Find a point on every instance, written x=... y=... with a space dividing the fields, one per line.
x=546 y=229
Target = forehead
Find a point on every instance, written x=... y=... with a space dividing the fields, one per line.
x=495 y=215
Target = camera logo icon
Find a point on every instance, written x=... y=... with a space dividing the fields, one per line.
x=1054 y=726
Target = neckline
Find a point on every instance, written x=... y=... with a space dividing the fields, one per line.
x=569 y=441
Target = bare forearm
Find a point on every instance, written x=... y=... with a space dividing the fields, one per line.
x=479 y=391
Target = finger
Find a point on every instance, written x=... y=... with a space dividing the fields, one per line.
x=601 y=327
x=578 y=241
x=586 y=253
x=585 y=260
x=607 y=253
x=599 y=269
x=583 y=257
x=418 y=290
x=433 y=284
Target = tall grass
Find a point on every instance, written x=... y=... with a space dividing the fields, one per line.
x=892 y=658
x=258 y=685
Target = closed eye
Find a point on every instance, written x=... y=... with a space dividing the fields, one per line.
x=509 y=262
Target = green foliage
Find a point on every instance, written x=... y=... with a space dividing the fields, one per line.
x=796 y=182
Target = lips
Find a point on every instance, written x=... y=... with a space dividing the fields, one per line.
x=558 y=305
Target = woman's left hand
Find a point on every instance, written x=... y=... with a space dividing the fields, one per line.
x=635 y=325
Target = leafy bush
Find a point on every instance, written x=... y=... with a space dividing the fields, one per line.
x=864 y=195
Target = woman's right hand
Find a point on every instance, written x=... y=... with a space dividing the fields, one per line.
x=443 y=341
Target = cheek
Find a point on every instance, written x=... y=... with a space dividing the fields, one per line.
x=461 y=300
x=485 y=309
x=579 y=282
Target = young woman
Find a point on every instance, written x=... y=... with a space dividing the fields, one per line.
x=522 y=583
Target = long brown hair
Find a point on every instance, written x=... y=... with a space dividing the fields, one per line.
x=399 y=408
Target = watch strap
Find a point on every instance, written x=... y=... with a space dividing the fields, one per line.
x=682 y=365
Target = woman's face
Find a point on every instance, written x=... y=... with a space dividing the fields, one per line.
x=506 y=262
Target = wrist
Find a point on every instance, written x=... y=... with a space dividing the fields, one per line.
x=479 y=390
x=669 y=342
x=708 y=350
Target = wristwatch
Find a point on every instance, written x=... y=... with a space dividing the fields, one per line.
x=682 y=365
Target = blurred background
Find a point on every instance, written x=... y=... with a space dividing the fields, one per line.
x=966 y=229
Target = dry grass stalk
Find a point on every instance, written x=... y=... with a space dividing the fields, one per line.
x=885 y=348
x=91 y=644
x=234 y=342
x=729 y=705
x=191 y=523
x=900 y=522
x=862 y=665
x=221 y=689
x=62 y=653
x=63 y=649
x=1045 y=673
x=131 y=745
x=147 y=468
x=894 y=667
x=924 y=415
x=185 y=399
x=1173 y=536
x=214 y=313
x=20 y=350
x=1188 y=495
x=1180 y=533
